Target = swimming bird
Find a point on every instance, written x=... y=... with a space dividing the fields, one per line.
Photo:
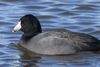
x=53 y=42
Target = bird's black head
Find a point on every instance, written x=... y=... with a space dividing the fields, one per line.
x=28 y=24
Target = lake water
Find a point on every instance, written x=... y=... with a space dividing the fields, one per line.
x=76 y=15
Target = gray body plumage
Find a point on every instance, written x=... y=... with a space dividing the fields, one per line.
x=61 y=42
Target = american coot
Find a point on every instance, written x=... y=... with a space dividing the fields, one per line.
x=54 y=42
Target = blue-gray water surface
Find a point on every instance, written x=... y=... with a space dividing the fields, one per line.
x=76 y=15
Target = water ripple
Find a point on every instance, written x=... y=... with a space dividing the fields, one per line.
x=75 y=15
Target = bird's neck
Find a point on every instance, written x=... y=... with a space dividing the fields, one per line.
x=28 y=36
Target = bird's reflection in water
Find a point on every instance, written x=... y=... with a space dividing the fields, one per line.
x=30 y=59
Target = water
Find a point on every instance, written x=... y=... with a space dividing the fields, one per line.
x=76 y=15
